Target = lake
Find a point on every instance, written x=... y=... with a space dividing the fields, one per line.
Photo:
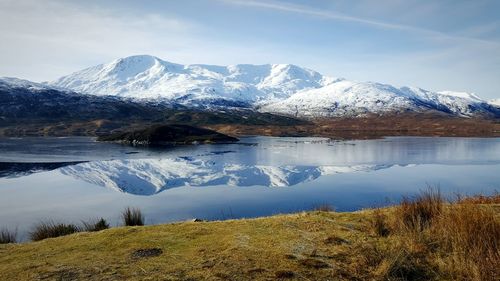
x=76 y=178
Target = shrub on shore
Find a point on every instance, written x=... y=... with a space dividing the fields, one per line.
x=44 y=230
x=324 y=208
x=7 y=236
x=95 y=225
x=132 y=217
x=456 y=241
x=378 y=223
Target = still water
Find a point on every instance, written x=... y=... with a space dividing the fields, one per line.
x=255 y=177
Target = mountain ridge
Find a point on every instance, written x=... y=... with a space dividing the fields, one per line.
x=275 y=88
x=152 y=76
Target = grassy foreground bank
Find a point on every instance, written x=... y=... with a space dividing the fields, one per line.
x=420 y=239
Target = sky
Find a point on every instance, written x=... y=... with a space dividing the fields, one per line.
x=435 y=45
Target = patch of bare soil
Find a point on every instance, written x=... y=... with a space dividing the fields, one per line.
x=147 y=253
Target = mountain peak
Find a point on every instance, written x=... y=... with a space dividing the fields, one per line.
x=129 y=67
x=138 y=60
x=142 y=60
x=140 y=57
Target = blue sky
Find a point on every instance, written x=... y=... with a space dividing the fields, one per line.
x=436 y=45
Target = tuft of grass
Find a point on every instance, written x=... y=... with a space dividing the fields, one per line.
x=324 y=208
x=132 y=217
x=95 y=225
x=7 y=236
x=417 y=213
x=378 y=223
x=44 y=230
x=401 y=264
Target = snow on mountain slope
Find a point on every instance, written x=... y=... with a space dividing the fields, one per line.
x=459 y=103
x=342 y=98
x=275 y=88
x=347 y=98
x=151 y=176
x=464 y=95
x=495 y=102
x=9 y=83
x=148 y=77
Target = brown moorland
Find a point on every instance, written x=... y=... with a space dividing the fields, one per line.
x=368 y=127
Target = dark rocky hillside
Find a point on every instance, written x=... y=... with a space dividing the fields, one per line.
x=18 y=105
x=39 y=111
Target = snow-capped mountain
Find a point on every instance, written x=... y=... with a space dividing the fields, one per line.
x=275 y=88
x=151 y=176
x=347 y=98
x=148 y=77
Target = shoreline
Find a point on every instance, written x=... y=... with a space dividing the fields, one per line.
x=372 y=127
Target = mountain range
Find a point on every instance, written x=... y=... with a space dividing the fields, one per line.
x=275 y=88
x=141 y=90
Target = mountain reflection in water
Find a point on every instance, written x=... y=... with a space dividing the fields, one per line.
x=151 y=176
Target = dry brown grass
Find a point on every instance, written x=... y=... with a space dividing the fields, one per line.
x=417 y=213
x=480 y=199
x=470 y=236
x=399 y=263
x=456 y=241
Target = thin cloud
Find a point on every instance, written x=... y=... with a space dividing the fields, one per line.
x=300 y=9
